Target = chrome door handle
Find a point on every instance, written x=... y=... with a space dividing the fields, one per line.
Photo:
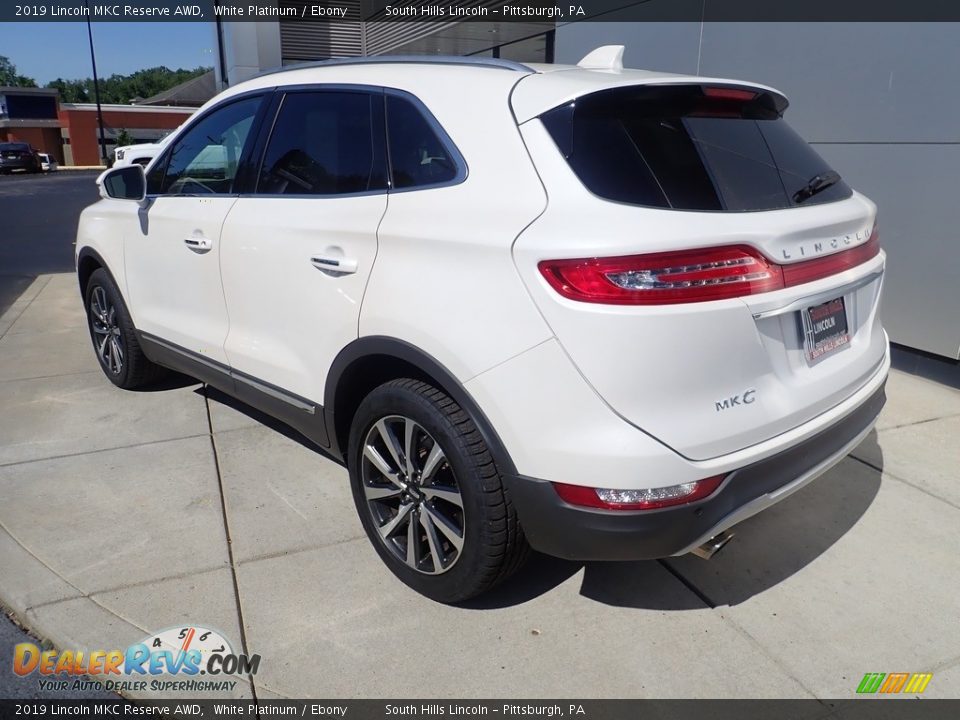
x=198 y=244
x=334 y=265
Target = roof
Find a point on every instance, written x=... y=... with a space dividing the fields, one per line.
x=17 y=90
x=192 y=93
x=533 y=88
x=469 y=61
x=110 y=107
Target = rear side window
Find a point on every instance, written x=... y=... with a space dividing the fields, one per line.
x=691 y=148
x=325 y=143
x=420 y=153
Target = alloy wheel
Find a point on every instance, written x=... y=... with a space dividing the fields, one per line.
x=412 y=495
x=106 y=331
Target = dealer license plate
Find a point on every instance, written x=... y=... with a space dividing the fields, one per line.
x=825 y=329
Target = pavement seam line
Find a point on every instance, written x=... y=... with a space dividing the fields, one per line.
x=688 y=584
x=50 y=377
x=704 y=598
x=81 y=596
x=918 y=422
x=25 y=307
x=756 y=643
x=36 y=557
x=945 y=664
x=130 y=586
x=275 y=692
x=227 y=536
x=102 y=450
x=298 y=551
x=906 y=482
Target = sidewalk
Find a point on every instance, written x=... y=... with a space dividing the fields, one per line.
x=125 y=513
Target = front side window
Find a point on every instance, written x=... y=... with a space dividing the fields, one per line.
x=419 y=157
x=325 y=143
x=205 y=160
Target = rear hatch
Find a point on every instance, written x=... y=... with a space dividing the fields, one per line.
x=710 y=275
x=14 y=152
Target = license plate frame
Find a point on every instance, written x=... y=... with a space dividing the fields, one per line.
x=826 y=329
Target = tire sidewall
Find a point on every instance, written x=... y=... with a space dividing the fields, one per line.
x=100 y=278
x=393 y=400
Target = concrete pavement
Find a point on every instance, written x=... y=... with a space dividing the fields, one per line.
x=38 y=223
x=124 y=513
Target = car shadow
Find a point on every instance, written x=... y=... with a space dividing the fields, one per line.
x=214 y=395
x=766 y=550
x=170 y=381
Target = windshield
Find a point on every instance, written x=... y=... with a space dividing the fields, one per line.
x=689 y=147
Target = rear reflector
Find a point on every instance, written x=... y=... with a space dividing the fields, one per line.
x=689 y=276
x=644 y=499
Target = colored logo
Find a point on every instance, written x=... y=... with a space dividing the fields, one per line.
x=892 y=683
x=186 y=652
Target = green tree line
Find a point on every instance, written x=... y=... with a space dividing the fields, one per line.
x=9 y=76
x=116 y=88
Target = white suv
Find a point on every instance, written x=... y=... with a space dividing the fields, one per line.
x=602 y=313
x=140 y=154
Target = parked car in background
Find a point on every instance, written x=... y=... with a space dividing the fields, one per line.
x=47 y=162
x=140 y=154
x=603 y=313
x=18 y=156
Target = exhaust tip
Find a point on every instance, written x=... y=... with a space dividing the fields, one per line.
x=712 y=546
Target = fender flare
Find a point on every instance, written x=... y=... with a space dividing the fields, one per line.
x=88 y=252
x=381 y=345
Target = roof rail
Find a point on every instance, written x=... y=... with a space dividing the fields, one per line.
x=408 y=59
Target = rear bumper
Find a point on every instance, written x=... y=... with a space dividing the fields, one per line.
x=575 y=533
x=18 y=164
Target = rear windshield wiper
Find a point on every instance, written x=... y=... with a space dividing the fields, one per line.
x=816 y=184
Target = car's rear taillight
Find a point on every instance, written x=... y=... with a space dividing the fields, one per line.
x=642 y=499
x=688 y=276
x=675 y=277
x=810 y=270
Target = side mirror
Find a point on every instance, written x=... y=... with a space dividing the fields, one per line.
x=124 y=183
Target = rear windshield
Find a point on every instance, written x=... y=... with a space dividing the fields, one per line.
x=688 y=147
x=14 y=146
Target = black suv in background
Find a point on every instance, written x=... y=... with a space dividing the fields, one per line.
x=18 y=156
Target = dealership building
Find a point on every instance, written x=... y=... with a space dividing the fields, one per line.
x=70 y=132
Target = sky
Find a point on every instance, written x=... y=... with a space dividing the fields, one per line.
x=46 y=51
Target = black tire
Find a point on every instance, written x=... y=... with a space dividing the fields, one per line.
x=133 y=369
x=493 y=544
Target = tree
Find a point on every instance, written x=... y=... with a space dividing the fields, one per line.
x=124 y=138
x=124 y=88
x=73 y=91
x=9 y=76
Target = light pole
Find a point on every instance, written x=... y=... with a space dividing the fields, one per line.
x=96 y=89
